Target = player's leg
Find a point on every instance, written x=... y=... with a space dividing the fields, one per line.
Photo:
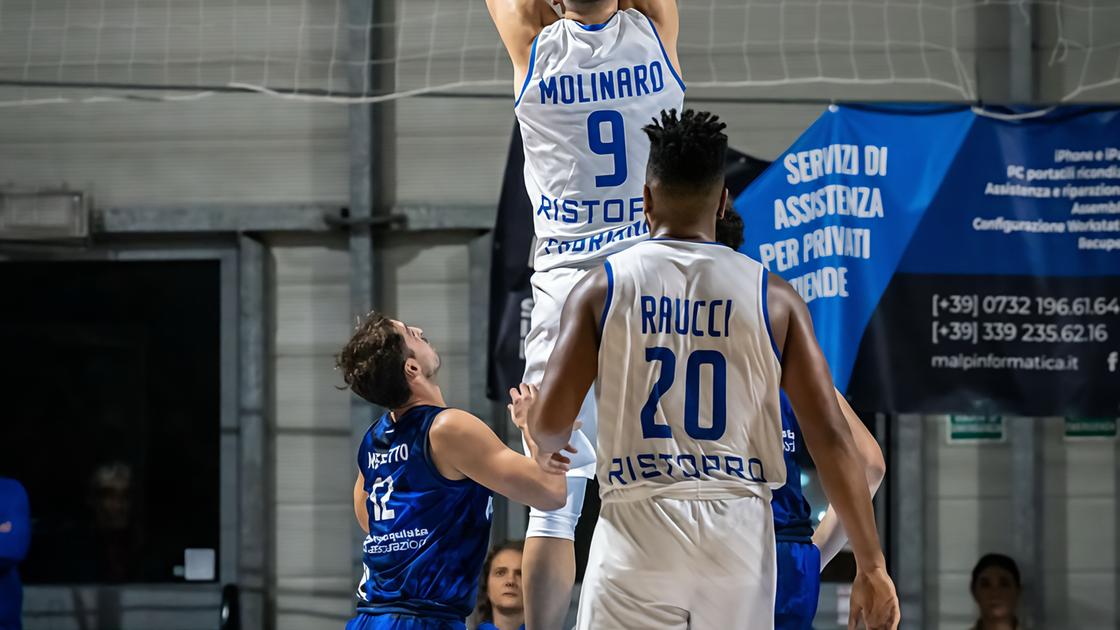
x=548 y=573
x=548 y=563
x=799 y=585
x=627 y=584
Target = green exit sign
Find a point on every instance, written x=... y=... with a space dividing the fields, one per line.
x=973 y=429
x=1103 y=429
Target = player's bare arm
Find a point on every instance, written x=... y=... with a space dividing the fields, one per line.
x=830 y=536
x=666 y=17
x=464 y=447
x=808 y=383
x=573 y=365
x=518 y=23
x=360 y=511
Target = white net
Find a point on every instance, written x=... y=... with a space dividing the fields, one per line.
x=63 y=50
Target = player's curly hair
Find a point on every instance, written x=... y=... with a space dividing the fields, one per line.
x=484 y=610
x=729 y=227
x=687 y=152
x=372 y=362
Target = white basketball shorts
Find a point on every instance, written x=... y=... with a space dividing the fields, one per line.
x=703 y=564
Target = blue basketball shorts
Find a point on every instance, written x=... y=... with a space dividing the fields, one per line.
x=799 y=585
x=395 y=621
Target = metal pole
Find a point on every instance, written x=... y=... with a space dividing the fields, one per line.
x=255 y=568
x=370 y=35
x=907 y=483
x=481 y=406
x=1026 y=439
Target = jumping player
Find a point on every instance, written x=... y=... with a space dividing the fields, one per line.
x=585 y=85
x=426 y=474
x=688 y=344
x=802 y=553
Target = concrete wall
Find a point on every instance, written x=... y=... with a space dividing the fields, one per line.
x=314 y=462
x=969 y=513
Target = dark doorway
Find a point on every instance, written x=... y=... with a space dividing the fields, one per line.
x=110 y=377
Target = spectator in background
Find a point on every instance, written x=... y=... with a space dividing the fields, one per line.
x=996 y=588
x=15 y=538
x=117 y=553
x=500 y=604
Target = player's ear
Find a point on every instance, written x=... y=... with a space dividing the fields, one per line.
x=722 y=205
x=647 y=201
x=412 y=368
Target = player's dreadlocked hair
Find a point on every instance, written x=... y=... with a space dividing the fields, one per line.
x=372 y=362
x=686 y=153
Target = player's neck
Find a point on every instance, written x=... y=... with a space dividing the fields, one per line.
x=697 y=233
x=595 y=16
x=427 y=394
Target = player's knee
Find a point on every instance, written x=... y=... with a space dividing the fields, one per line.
x=560 y=523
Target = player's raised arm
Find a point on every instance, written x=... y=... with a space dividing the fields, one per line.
x=464 y=444
x=572 y=366
x=666 y=17
x=518 y=23
x=830 y=535
x=808 y=383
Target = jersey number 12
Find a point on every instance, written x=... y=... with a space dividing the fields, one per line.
x=379 y=494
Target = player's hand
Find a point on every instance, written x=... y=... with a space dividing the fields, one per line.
x=554 y=463
x=874 y=601
x=521 y=400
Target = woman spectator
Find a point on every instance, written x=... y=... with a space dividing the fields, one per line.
x=500 y=604
x=996 y=588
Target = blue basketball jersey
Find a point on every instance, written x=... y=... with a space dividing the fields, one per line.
x=428 y=535
x=792 y=520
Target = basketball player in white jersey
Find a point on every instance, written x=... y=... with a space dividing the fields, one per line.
x=586 y=83
x=688 y=343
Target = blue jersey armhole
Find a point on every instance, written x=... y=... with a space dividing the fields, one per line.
x=430 y=465
x=665 y=54
x=362 y=449
x=529 y=73
x=766 y=315
x=610 y=297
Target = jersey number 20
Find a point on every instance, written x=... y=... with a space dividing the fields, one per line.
x=615 y=148
x=668 y=360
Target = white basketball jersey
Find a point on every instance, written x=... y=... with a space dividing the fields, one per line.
x=588 y=93
x=688 y=375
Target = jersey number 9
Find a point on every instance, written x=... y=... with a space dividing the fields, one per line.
x=616 y=147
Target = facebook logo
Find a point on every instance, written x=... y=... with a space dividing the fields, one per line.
x=1113 y=359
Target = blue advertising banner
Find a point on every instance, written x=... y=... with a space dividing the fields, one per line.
x=953 y=261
